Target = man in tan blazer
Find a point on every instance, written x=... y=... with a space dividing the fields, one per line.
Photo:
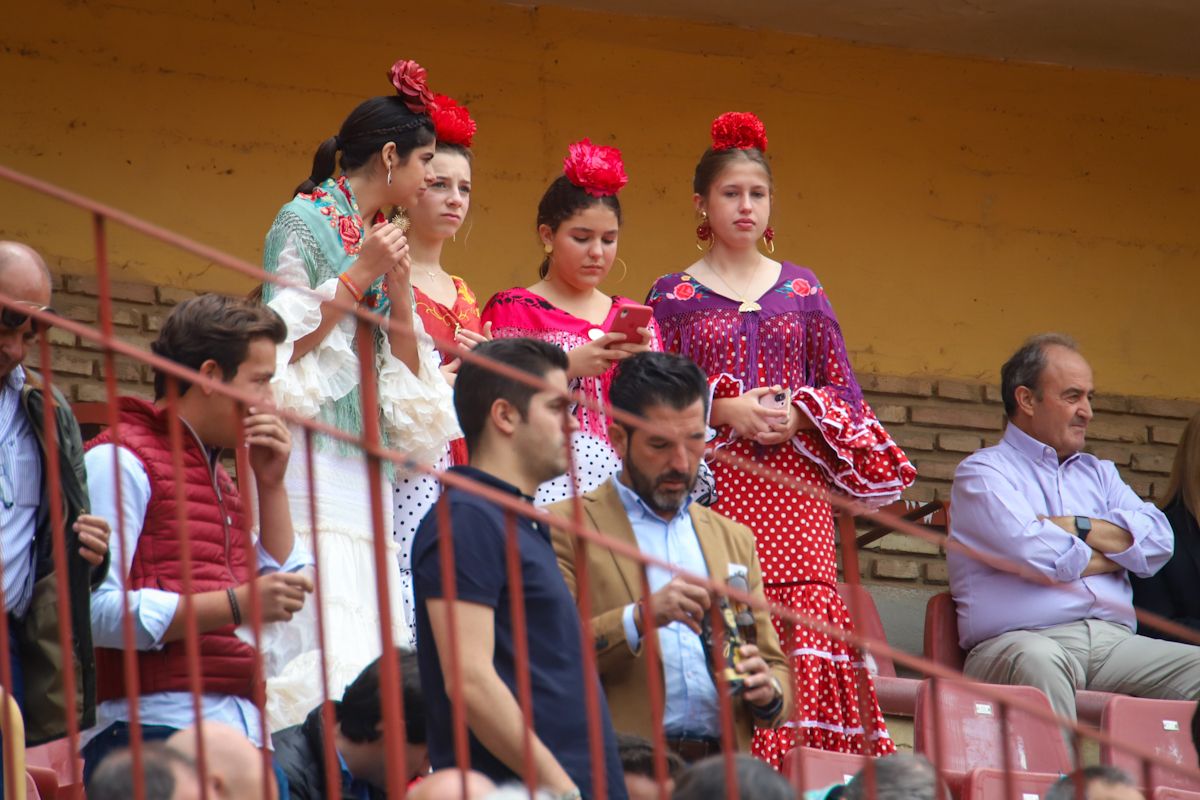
x=647 y=505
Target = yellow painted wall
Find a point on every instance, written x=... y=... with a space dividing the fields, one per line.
x=951 y=206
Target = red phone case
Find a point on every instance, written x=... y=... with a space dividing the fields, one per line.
x=628 y=319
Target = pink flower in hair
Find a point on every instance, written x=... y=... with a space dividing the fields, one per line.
x=596 y=169
x=409 y=78
x=739 y=130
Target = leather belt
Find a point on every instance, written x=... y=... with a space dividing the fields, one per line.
x=691 y=750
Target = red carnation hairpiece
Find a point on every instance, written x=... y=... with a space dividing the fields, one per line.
x=596 y=169
x=409 y=78
x=452 y=122
x=739 y=130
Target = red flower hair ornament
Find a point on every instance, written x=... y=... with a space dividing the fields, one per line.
x=452 y=122
x=409 y=78
x=596 y=169
x=739 y=130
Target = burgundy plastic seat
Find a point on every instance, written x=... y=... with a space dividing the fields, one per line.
x=897 y=696
x=815 y=769
x=968 y=734
x=941 y=646
x=991 y=784
x=1161 y=726
x=1171 y=793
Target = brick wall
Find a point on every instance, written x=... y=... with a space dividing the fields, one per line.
x=937 y=421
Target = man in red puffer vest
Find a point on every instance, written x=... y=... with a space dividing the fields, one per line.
x=233 y=342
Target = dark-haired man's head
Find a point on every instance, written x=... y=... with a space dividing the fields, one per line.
x=359 y=715
x=224 y=339
x=166 y=775
x=1099 y=783
x=660 y=463
x=515 y=430
x=706 y=779
x=1047 y=390
x=637 y=762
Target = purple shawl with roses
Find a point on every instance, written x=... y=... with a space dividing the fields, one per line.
x=794 y=341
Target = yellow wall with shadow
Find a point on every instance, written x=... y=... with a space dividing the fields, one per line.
x=951 y=206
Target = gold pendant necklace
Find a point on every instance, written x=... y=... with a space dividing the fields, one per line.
x=746 y=306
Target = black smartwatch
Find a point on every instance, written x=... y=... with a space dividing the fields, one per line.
x=1083 y=526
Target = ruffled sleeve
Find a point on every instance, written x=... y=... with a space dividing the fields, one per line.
x=330 y=370
x=418 y=410
x=849 y=443
x=853 y=450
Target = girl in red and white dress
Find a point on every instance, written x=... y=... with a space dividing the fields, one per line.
x=762 y=329
x=578 y=220
x=445 y=304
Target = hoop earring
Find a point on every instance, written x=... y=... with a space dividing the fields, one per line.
x=704 y=233
x=624 y=270
x=769 y=239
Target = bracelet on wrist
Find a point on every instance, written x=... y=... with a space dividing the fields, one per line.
x=355 y=292
x=572 y=794
x=233 y=606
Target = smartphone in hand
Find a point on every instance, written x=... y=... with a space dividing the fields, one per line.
x=628 y=319
x=776 y=401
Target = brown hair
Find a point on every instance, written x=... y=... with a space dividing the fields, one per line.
x=714 y=162
x=216 y=327
x=1185 y=473
x=564 y=200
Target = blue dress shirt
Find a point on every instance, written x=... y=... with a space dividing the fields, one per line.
x=20 y=494
x=691 y=696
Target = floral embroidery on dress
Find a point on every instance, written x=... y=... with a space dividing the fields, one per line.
x=688 y=288
x=799 y=287
x=349 y=227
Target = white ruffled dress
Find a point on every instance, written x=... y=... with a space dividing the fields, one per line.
x=417 y=418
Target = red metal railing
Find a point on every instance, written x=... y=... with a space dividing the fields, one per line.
x=376 y=455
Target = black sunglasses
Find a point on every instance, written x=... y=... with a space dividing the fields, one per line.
x=11 y=318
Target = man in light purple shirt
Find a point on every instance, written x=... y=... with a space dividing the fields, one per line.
x=1038 y=502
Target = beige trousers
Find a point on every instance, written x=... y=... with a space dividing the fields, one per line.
x=1090 y=654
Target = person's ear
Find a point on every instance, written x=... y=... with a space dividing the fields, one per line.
x=211 y=370
x=504 y=416
x=1025 y=398
x=389 y=157
x=618 y=437
x=700 y=204
x=546 y=234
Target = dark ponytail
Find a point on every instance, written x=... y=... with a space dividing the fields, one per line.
x=564 y=200
x=369 y=127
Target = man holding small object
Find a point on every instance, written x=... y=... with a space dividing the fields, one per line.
x=233 y=342
x=647 y=504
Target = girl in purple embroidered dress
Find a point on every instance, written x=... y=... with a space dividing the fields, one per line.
x=757 y=327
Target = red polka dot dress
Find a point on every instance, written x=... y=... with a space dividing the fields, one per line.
x=793 y=339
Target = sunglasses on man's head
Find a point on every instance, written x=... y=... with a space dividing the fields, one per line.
x=11 y=318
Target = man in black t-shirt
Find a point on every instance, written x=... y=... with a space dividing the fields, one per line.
x=521 y=433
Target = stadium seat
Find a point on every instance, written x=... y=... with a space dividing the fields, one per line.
x=57 y=757
x=31 y=789
x=46 y=781
x=941 y=646
x=991 y=784
x=815 y=769
x=1171 y=793
x=1161 y=726
x=968 y=733
x=897 y=696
